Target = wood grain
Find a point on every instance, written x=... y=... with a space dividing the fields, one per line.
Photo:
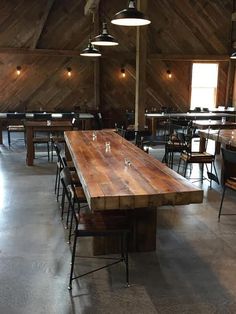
x=109 y=184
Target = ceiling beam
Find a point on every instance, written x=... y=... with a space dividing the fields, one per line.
x=189 y=57
x=40 y=52
x=91 y=6
x=41 y=23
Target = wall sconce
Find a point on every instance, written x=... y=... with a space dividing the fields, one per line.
x=69 y=70
x=123 y=74
x=169 y=74
x=18 y=70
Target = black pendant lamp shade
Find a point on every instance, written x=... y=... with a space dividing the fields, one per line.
x=90 y=51
x=233 y=56
x=104 y=39
x=130 y=16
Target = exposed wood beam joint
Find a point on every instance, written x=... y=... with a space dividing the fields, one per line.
x=183 y=57
x=91 y=6
x=41 y=23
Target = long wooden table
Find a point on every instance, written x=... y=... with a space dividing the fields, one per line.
x=6 y=118
x=214 y=124
x=225 y=136
x=33 y=126
x=139 y=188
x=154 y=118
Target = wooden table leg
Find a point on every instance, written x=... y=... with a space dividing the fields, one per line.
x=142 y=238
x=29 y=147
x=217 y=147
x=202 y=145
x=154 y=130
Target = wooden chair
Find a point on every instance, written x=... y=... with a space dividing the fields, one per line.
x=94 y=224
x=121 y=131
x=14 y=129
x=98 y=121
x=62 y=163
x=188 y=156
x=175 y=143
x=228 y=175
x=42 y=138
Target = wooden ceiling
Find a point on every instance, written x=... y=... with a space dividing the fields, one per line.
x=45 y=37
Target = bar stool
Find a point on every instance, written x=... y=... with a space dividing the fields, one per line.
x=95 y=224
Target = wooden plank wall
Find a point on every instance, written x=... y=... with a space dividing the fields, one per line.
x=181 y=31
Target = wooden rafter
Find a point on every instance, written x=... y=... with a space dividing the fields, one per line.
x=41 y=23
x=40 y=52
x=193 y=57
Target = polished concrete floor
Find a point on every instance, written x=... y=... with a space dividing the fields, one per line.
x=192 y=271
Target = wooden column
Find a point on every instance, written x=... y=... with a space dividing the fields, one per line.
x=97 y=65
x=141 y=59
x=231 y=66
x=230 y=84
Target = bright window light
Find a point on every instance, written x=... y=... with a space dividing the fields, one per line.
x=204 y=85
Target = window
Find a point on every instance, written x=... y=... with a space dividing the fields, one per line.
x=204 y=85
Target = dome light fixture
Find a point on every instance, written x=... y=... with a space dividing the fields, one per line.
x=90 y=51
x=104 y=39
x=130 y=16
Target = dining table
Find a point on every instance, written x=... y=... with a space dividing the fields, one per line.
x=50 y=126
x=155 y=120
x=227 y=137
x=214 y=124
x=117 y=175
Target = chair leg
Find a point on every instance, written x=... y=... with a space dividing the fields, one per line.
x=202 y=170
x=48 y=148
x=127 y=259
x=172 y=160
x=211 y=179
x=58 y=186
x=9 y=138
x=221 y=203
x=57 y=175
x=62 y=203
x=185 y=168
x=179 y=164
x=72 y=262
x=71 y=225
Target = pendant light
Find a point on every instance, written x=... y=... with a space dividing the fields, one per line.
x=104 y=39
x=233 y=56
x=130 y=16
x=90 y=51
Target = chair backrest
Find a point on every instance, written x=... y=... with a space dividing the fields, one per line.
x=229 y=164
x=69 y=190
x=213 y=152
x=98 y=121
x=76 y=121
x=61 y=159
x=121 y=131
